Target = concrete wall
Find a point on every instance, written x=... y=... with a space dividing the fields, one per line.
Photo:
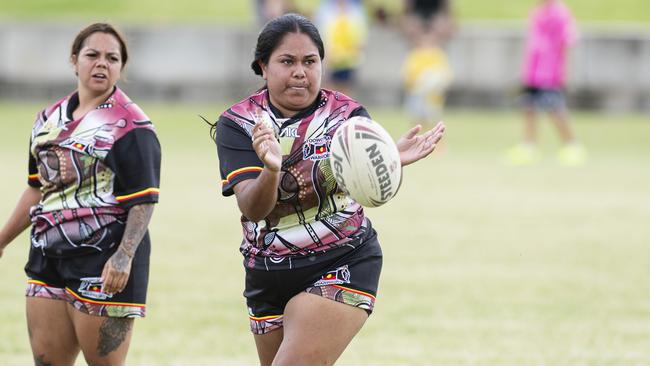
x=608 y=68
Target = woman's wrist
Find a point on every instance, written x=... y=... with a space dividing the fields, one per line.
x=125 y=252
x=4 y=240
x=271 y=169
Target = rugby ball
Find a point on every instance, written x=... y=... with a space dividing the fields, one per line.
x=365 y=161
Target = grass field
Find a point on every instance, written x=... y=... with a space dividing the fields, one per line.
x=485 y=264
x=237 y=12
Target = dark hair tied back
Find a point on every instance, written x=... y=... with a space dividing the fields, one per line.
x=273 y=32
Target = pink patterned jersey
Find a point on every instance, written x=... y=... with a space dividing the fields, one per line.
x=551 y=31
x=312 y=214
x=90 y=170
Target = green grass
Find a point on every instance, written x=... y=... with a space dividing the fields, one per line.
x=637 y=11
x=240 y=12
x=125 y=11
x=485 y=264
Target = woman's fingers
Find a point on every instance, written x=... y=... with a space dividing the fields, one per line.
x=113 y=280
x=413 y=132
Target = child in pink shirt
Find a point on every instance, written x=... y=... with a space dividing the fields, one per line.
x=551 y=32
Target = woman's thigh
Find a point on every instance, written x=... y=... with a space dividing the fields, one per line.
x=317 y=330
x=51 y=332
x=267 y=345
x=103 y=340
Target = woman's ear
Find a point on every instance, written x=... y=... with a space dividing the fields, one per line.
x=73 y=61
x=263 y=67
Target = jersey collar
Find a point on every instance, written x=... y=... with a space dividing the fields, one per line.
x=300 y=115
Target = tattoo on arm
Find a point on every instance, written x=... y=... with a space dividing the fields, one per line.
x=136 y=226
x=112 y=334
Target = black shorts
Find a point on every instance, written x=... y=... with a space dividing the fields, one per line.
x=77 y=280
x=349 y=274
x=543 y=98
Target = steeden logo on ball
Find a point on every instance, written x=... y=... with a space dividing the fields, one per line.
x=365 y=161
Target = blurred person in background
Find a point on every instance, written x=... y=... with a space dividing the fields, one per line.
x=550 y=33
x=344 y=28
x=94 y=167
x=312 y=258
x=426 y=73
x=270 y=9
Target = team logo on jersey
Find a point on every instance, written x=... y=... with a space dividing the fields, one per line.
x=317 y=149
x=289 y=132
x=336 y=277
x=78 y=146
x=92 y=288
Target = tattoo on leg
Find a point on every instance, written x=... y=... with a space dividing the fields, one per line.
x=40 y=361
x=112 y=333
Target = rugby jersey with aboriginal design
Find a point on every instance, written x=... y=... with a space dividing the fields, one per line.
x=90 y=171
x=313 y=214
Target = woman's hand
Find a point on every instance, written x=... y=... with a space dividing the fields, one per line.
x=116 y=272
x=117 y=269
x=267 y=147
x=413 y=147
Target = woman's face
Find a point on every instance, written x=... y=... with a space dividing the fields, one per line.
x=293 y=73
x=98 y=64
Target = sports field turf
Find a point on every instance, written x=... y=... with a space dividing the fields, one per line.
x=241 y=12
x=485 y=264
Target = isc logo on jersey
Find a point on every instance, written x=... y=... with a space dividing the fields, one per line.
x=365 y=161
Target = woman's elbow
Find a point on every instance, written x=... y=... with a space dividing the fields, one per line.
x=254 y=218
x=253 y=213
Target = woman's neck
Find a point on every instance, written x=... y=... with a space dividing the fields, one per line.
x=287 y=113
x=89 y=101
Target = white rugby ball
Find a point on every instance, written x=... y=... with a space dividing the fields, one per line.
x=365 y=161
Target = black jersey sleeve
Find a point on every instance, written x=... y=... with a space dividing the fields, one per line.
x=135 y=160
x=361 y=111
x=32 y=170
x=238 y=160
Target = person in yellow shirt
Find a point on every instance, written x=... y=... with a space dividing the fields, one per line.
x=426 y=72
x=426 y=75
x=344 y=28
